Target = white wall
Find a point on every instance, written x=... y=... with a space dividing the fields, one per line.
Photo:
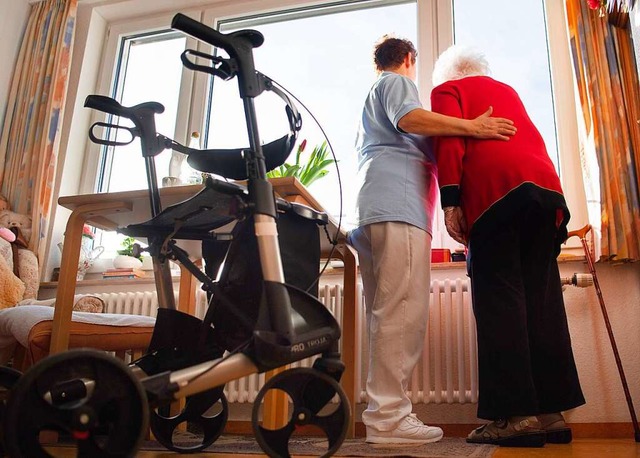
x=13 y=21
x=599 y=377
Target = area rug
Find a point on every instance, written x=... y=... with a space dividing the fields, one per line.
x=449 y=447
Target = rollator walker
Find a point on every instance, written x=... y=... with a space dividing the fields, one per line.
x=255 y=322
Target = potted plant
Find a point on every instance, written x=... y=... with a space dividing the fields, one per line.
x=313 y=169
x=130 y=256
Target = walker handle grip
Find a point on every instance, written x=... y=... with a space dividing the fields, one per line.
x=239 y=45
x=202 y=32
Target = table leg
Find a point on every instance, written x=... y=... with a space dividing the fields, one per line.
x=66 y=283
x=350 y=328
x=275 y=411
x=69 y=269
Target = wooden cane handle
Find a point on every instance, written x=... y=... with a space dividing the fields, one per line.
x=580 y=232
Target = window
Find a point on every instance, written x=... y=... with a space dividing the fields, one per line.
x=149 y=68
x=517 y=51
x=322 y=55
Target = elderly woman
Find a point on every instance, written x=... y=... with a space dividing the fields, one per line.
x=504 y=201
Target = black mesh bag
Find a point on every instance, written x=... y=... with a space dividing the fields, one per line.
x=235 y=306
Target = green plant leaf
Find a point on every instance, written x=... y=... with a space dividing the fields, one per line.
x=311 y=179
x=313 y=174
x=291 y=170
x=275 y=173
x=307 y=172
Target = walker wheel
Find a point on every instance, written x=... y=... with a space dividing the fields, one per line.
x=8 y=378
x=317 y=404
x=86 y=398
x=196 y=427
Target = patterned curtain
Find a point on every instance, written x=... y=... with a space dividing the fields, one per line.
x=607 y=78
x=30 y=135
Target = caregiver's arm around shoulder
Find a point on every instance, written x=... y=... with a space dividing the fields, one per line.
x=428 y=123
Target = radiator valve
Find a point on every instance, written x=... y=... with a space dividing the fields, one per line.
x=579 y=280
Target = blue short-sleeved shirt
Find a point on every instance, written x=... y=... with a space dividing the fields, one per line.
x=396 y=171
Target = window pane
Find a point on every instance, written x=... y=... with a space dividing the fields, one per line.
x=513 y=37
x=151 y=71
x=325 y=61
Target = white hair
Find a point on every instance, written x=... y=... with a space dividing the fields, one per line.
x=459 y=62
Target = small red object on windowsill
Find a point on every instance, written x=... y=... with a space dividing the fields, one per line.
x=440 y=255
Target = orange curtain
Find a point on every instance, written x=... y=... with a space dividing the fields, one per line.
x=607 y=79
x=30 y=134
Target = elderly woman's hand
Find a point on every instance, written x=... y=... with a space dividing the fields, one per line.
x=456 y=224
x=487 y=127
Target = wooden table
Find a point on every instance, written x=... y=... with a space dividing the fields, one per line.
x=106 y=211
x=109 y=211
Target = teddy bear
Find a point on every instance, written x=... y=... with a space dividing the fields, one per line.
x=11 y=287
x=10 y=219
x=16 y=229
x=5 y=232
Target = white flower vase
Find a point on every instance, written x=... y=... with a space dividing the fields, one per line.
x=122 y=261
x=88 y=255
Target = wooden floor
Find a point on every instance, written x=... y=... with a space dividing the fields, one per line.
x=579 y=448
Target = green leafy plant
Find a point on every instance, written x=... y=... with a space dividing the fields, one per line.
x=307 y=172
x=131 y=248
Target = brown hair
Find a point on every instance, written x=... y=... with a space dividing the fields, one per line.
x=389 y=52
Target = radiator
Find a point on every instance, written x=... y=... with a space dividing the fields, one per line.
x=448 y=369
x=131 y=303
x=446 y=372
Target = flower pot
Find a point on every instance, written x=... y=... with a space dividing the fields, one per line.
x=123 y=261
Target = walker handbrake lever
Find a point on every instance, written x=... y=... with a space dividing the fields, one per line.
x=101 y=141
x=220 y=67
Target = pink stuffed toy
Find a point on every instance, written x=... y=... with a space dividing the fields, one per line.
x=7 y=234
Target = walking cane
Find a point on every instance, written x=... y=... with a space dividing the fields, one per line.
x=582 y=233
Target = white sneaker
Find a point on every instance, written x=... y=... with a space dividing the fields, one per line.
x=410 y=431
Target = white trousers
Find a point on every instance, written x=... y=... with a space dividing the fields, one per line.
x=395 y=264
